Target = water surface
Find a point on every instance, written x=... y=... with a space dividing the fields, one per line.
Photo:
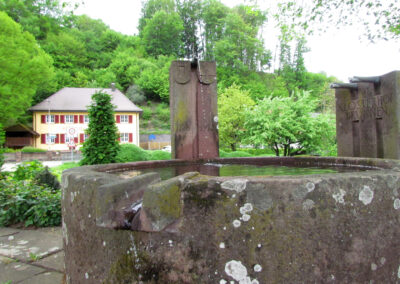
x=214 y=169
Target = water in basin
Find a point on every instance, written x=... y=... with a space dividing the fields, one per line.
x=215 y=169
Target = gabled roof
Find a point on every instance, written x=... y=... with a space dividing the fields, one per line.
x=21 y=128
x=78 y=99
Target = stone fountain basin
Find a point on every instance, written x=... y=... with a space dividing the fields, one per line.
x=325 y=228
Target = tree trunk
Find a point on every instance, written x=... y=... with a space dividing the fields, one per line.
x=276 y=148
x=233 y=147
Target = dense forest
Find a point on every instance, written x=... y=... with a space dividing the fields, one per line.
x=46 y=47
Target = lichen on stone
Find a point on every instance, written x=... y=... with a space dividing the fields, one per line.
x=237 y=185
x=366 y=195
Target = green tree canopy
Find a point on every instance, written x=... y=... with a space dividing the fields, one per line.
x=38 y=17
x=162 y=34
x=380 y=19
x=289 y=124
x=23 y=67
x=102 y=145
x=150 y=7
x=232 y=104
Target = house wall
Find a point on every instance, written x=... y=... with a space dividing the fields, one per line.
x=61 y=129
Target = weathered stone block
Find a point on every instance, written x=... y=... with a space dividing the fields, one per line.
x=329 y=228
x=193 y=102
x=367 y=117
x=114 y=200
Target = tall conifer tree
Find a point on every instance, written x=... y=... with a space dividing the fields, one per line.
x=102 y=145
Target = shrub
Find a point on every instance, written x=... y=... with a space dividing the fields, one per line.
x=259 y=152
x=147 y=113
x=131 y=153
x=29 y=149
x=2 y=139
x=159 y=155
x=47 y=179
x=136 y=94
x=163 y=112
x=234 y=154
x=28 y=170
x=24 y=201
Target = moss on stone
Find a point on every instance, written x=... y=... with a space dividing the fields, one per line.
x=162 y=203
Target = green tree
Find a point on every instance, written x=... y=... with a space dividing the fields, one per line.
x=232 y=104
x=190 y=13
x=102 y=145
x=162 y=34
x=150 y=7
x=24 y=66
x=38 y=17
x=289 y=124
x=2 y=140
x=380 y=19
x=213 y=18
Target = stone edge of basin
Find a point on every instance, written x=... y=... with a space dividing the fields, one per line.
x=160 y=202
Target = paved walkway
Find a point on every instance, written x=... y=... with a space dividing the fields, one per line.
x=31 y=256
x=10 y=167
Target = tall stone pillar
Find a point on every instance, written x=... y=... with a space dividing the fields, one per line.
x=193 y=103
x=368 y=117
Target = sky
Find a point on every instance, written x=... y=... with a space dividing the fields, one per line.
x=338 y=53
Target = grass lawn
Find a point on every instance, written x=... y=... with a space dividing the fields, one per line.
x=57 y=171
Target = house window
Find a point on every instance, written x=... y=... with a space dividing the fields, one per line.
x=50 y=118
x=124 y=118
x=124 y=137
x=68 y=139
x=86 y=119
x=85 y=137
x=51 y=138
x=69 y=119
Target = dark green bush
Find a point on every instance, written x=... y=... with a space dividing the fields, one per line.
x=159 y=155
x=28 y=170
x=131 y=153
x=32 y=204
x=47 y=179
x=29 y=149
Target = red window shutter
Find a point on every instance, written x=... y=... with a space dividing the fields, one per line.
x=43 y=118
x=43 y=138
x=62 y=138
x=81 y=137
x=130 y=137
x=130 y=119
x=57 y=139
x=62 y=118
x=75 y=119
x=119 y=138
x=57 y=119
x=76 y=140
x=118 y=118
x=80 y=118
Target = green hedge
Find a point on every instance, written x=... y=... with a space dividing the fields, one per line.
x=159 y=155
x=28 y=203
x=31 y=196
x=131 y=153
